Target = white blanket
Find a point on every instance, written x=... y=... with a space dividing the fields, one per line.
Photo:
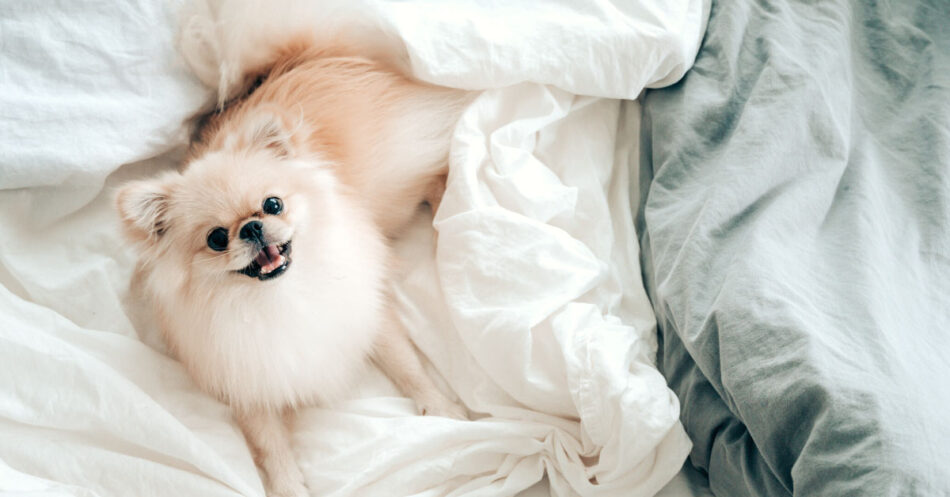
x=530 y=305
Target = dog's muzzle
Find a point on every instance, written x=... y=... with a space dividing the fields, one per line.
x=271 y=261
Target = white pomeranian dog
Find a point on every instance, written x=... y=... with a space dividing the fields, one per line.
x=266 y=259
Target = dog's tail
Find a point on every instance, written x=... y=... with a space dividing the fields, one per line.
x=230 y=43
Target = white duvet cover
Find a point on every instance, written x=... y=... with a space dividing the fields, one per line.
x=529 y=306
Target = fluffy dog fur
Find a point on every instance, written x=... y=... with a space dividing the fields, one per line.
x=351 y=147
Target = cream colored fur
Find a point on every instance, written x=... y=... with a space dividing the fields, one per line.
x=351 y=147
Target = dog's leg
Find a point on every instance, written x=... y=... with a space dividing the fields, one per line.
x=435 y=191
x=268 y=435
x=397 y=357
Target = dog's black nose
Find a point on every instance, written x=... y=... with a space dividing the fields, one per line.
x=253 y=231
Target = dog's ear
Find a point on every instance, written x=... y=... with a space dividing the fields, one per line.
x=143 y=208
x=264 y=130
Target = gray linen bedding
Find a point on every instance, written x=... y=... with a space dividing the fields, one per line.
x=795 y=230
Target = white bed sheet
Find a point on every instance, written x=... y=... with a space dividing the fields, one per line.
x=529 y=307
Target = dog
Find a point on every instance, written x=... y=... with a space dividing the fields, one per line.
x=266 y=258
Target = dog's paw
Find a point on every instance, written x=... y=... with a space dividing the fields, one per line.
x=287 y=488
x=444 y=408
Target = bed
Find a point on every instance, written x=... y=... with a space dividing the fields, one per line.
x=796 y=246
x=530 y=307
x=744 y=268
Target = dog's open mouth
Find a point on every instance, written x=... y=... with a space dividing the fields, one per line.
x=271 y=262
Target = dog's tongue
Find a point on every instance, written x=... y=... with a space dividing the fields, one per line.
x=269 y=259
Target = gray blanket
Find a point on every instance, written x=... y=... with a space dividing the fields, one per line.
x=796 y=240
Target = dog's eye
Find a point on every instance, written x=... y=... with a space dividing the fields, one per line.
x=272 y=206
x=218 y=239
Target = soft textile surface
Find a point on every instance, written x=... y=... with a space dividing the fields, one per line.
x=797 y=242
x=531 y=307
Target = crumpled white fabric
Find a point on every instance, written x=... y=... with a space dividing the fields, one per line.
x=604 y=48
x=530 y=305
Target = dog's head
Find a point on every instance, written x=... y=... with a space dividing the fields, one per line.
x=235 y=213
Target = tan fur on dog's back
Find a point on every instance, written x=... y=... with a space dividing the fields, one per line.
x=334 y=102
